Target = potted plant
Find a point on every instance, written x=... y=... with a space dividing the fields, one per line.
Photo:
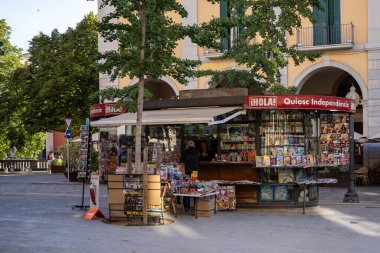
x=58 y=166
x=73 y=160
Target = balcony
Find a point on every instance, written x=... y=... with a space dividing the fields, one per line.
x=326 y=37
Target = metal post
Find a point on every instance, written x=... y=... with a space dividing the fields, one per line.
x=351 y=196
x=68 y=159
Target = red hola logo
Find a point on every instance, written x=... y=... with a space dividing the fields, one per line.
x=267 y=102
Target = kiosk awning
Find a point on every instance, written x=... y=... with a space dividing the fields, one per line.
x=173 y=116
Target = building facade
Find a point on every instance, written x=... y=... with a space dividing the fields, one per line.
x=348 y=32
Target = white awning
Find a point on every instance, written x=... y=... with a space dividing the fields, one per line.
x=175 y=116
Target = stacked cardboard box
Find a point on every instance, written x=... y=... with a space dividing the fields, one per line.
x=205 y=208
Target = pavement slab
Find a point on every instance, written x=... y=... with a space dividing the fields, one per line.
x=36 y=216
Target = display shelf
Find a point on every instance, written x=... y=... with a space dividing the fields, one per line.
x=251 y=140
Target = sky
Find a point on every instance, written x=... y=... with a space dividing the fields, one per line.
x=28 y=18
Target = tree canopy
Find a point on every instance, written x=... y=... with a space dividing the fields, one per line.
x=57 y=80
x=259 y=29
x=61 y=75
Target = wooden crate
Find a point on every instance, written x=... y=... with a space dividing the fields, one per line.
x=205 y=213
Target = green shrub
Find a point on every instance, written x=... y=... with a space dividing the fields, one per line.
x=57 y=162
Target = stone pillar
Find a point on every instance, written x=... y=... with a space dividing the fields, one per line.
x=189 y=49
x=103 y=46
x=373 y=92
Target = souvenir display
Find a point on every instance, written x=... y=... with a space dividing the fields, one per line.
x=238 y=142
x=334 y=139
x=284 y=138
x=285 y=176
x=281 y=192
x=193 y=187
x=83 y=152
x=226 y=199
x=266 y=193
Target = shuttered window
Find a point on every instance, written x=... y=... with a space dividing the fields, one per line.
x=326 y=29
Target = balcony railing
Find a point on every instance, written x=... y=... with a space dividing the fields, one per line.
x=326 y=37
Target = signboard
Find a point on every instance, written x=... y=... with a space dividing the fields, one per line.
x=94 y=190
x=305 y=102
x=104 y=110
x=68 y=121
x=68 y=134
x=83 y=152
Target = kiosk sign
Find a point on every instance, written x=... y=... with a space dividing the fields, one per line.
x=305 y=102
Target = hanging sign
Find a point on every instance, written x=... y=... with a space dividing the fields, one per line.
x=306 y=102
x=104 y=110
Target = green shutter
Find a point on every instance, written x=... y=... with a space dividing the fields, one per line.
x=320 y=25
x=224 y=14
x=334 y=21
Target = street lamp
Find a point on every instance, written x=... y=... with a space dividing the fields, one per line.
x=351 y=196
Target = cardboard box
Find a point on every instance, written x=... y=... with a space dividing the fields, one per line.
x=115 y=185
x=115 y=178
x=116 y=207
x=116 y=196
x=205 y=205
x=205 y=213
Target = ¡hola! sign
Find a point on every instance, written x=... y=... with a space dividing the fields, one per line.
x=103 y=110
x=305 y=102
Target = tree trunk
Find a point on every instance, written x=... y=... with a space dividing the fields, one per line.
x=145 y=189
x=140 y=100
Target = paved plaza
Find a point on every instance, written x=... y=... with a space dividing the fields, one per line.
x=36 y=216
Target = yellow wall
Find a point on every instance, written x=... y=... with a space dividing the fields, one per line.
x=356 y=60
x=177 y=19
x=217 y=65
x=206 y=11
x=356 y=12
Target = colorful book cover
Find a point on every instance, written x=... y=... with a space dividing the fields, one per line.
x=291 y=140
x=266 y=193
x=279 y=151
x=251 y=156
x=164 y=173
x=301 y=175
x=301 y=150
x=285 y=176
x=281 y=192
x=287 y=160
x=259 y=161
x=273 y=161
x=304 y=160
x=298 y=126
x=280 y=160
x=266 y=161
x=310 y=160
x=293 y=160
x=298 y=159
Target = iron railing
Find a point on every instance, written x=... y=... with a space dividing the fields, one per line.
x=23 y=165
x=320 y=35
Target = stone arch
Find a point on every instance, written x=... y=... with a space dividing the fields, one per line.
x=165 y=80
x=328 y=65
x=302 y=78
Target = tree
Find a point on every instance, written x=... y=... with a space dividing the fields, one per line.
x=147 y=38
x=10 y=57
x=61 y=75
x=259 y=28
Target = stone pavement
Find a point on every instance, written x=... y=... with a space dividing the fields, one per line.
x=36 y=216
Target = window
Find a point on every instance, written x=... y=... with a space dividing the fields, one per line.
x=327 y=26
x=234 y=32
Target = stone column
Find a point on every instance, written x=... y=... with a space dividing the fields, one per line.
x=189 y=49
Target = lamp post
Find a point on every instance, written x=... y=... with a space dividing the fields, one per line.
x=351 y=196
